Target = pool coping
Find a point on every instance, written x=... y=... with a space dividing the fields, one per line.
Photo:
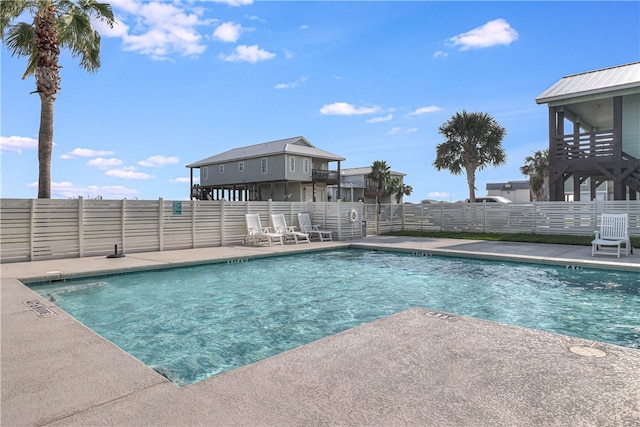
x=57 y=372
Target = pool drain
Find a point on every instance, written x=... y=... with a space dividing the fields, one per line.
x=583 y=350
x=39 y=308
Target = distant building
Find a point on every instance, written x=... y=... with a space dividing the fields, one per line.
x=602 y=139
x=516 y=191
x=356 y=187
x=288 y=169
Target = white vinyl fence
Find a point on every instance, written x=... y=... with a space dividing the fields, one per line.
x=571 y=218
x=37 y=229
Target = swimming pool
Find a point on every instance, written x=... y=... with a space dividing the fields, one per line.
x=191 y=323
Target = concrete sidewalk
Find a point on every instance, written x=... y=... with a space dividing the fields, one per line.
x=417 y=367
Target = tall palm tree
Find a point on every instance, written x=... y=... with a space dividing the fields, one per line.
x=380 y=174
x=56 y=24
x=537 y=168
x=472 y=141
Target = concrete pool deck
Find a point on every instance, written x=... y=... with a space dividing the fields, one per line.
x=418 y=367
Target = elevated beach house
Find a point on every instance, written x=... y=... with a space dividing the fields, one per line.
x=288 y=169
x=356 y=187
x=594 y=132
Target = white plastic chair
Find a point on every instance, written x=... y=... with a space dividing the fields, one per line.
x=280 y=226
x=306 y=227
x=258 y=234
x=614 y=231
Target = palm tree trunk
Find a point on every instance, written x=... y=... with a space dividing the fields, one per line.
x=471 y=181
x=48 y=85
x=45 y=147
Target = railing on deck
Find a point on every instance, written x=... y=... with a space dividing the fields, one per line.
x=584 y=145
x=38 y=229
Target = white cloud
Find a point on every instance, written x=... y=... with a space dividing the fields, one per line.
x=293 y=84
x=157 y=29
x=85 y=152
x=156 y=161
x=439 y=194
x=401 y=131
x=304 y=27
x=69 y=190
x=17 y=143
x=493 y=33
x=102 y=163
x=345 y=109
x=126 y=173
x=246 y=53
x=183 y=180
x=228 y=32
x=235 y=2
x=440 y=54
x=425 y=110
x=381 y=119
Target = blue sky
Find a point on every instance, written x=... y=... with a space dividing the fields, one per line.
x=184 y=80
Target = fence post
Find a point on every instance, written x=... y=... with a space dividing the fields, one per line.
x=339 y=219
x=441 y=216
x=222 y=224
x=535 y=225
x=80 y=227
x=123 y=230
x=193 y=224
x=403 y=215
x=160 y=223
x=31 y=225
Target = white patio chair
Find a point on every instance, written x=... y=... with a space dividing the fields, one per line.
x=280 y=226
x=312 y=230
x=258 y=234
x=614 y=231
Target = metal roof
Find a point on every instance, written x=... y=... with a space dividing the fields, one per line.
x=593 y=82
x=365 y=171
x=296 y=145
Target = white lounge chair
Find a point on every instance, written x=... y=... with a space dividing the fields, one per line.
x=614 y=231
x=280 y=226
x=306 y=227
x=258 y=234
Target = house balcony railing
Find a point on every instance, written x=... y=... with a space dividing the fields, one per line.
x=325 y=176
x=587 y=145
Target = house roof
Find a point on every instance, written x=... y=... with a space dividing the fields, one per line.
x=296 y=145
x=593 y=82
x=364 y=171
x=511 y=185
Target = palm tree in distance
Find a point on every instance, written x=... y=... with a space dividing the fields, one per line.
x=537 y=168
x=56 y=24
x=380 y=174
x=472 y=141
x=399 y=189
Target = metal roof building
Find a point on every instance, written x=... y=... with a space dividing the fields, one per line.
x=600 y=109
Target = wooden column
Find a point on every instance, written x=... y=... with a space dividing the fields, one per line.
x=619 y=192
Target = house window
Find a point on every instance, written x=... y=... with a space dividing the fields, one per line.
x=205 y=173
x=241 y=166
x=292 y=164
x=221 y=168
x=305 y=165
x=263 y=165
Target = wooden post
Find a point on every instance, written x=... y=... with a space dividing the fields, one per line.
x=619 y=192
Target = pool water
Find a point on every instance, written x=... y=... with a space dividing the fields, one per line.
x=191 y=323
